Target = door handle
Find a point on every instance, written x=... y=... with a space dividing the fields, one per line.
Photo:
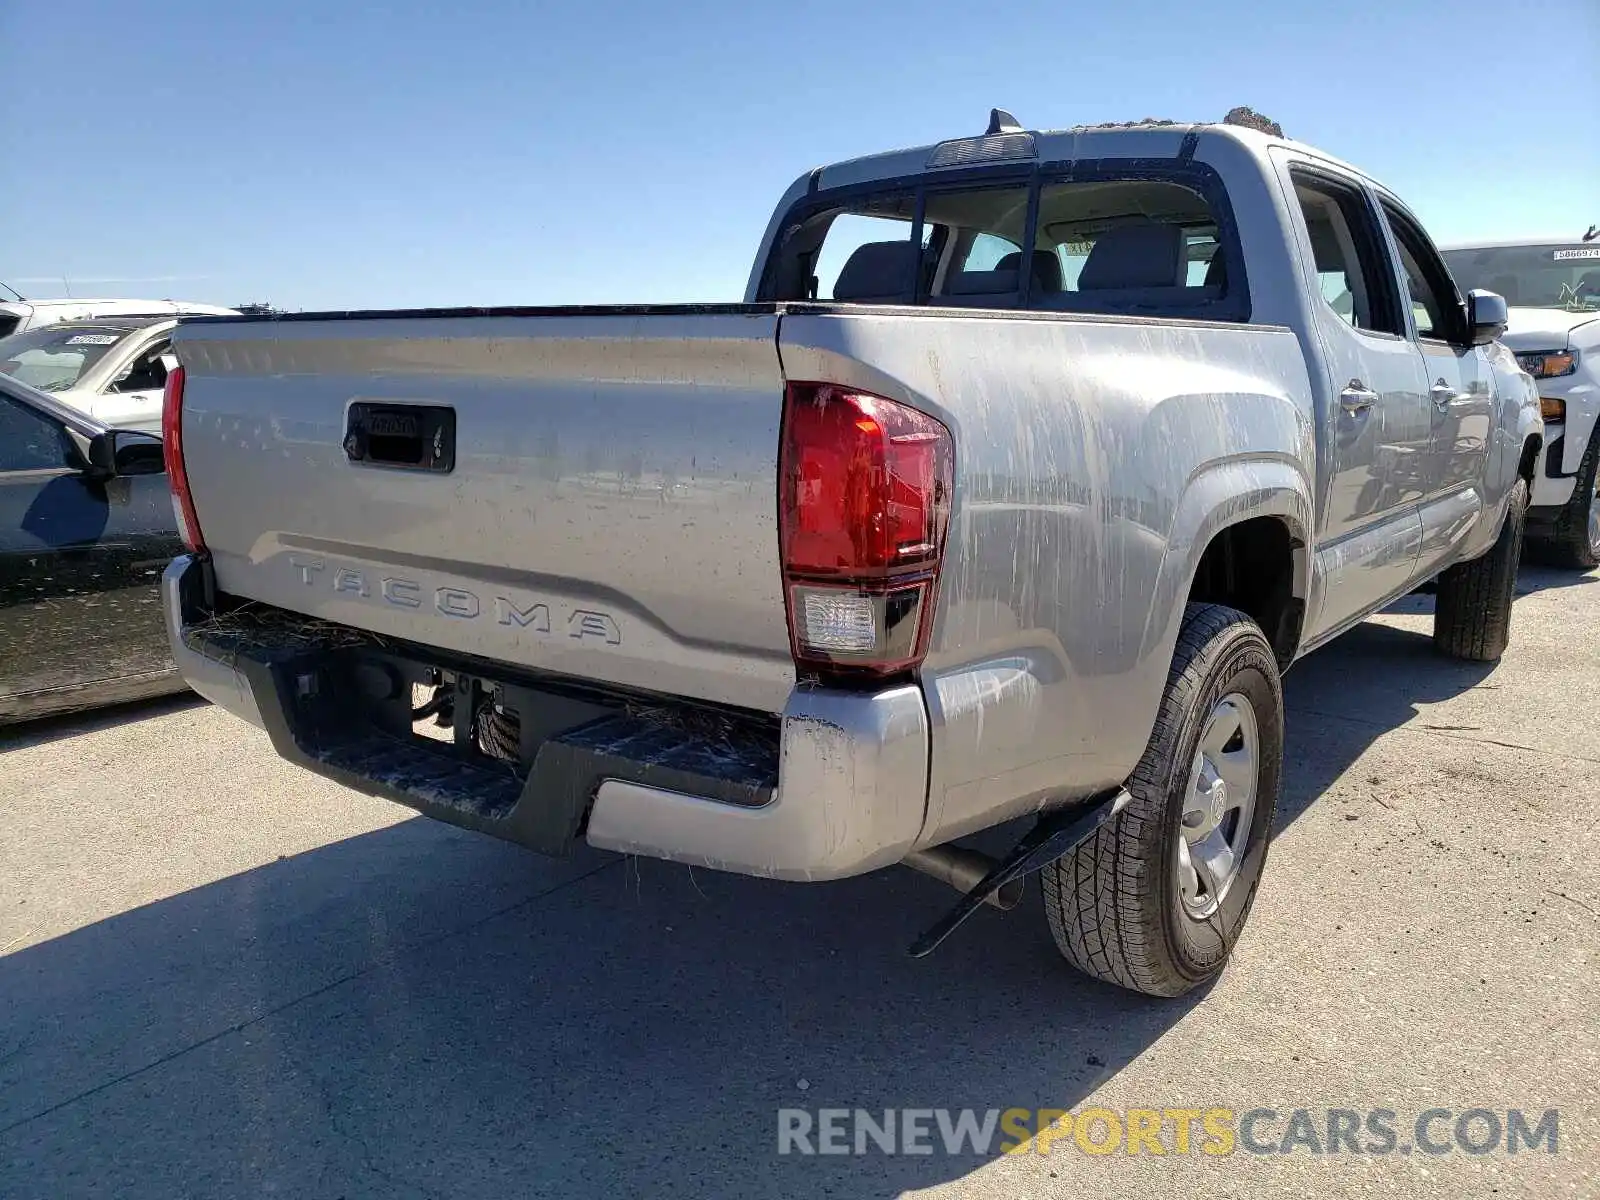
x=1357 y=397
x=1443 y=395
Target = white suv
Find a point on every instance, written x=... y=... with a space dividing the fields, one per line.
x=1553 y=288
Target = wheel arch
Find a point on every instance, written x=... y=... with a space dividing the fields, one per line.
x=1241 y=537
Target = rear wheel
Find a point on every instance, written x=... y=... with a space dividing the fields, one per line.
x=1472 y=616
x=1576 y=536
x=1155 y=900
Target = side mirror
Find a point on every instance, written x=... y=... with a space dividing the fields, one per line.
x=1486 y=316
x=120 y=452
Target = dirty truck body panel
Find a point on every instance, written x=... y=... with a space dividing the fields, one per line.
x=596 y=538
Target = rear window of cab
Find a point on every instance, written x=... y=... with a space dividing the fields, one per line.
x=1153 y=241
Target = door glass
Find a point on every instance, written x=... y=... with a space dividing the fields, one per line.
x=30 y=441
x=1352 y=274
x=148 y=373
x=1434 y=302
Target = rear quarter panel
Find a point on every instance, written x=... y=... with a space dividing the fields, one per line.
x=1095 y=459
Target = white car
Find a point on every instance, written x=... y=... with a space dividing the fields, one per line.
x=19 y=315
x=114 y=369
x=1553 y=288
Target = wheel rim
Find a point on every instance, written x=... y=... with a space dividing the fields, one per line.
x=1218 y=806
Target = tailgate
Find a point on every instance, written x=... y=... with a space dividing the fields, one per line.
x=607 y=510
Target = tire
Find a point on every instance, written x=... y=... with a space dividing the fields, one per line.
x=1575 y=540
x=1472 y=616
x=1115 y=905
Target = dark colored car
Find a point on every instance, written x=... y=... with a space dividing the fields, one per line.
x=86 y=528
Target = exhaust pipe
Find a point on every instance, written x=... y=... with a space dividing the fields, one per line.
x=963 y=870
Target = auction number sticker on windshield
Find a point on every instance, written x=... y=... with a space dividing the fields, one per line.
x=1581 y=252
x=91 y=339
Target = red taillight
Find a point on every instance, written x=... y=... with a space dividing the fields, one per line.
x=172 y=448
x=863 y=503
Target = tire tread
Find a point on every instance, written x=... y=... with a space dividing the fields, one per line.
x=1101 y=900
x=1570 y=538
x=1472 y=611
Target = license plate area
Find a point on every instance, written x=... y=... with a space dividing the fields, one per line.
x=409 y=437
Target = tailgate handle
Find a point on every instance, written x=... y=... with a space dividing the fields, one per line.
x=413 y=437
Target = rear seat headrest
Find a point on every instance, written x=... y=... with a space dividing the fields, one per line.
x=877 y=271
x=1046 y=268
x=1135 y=256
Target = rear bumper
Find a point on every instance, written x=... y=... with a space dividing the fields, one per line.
x=849 y=795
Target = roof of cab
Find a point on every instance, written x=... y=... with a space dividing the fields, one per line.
x=1135 y=139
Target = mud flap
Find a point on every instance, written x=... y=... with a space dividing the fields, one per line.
x=1055 y=834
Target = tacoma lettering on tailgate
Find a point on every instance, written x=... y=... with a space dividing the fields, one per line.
x=459 y=604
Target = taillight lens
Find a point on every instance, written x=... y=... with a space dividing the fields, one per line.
x=863 y=505
x=172 y=449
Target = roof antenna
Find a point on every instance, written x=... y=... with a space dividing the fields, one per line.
x=13 y=291
x=1000 y=121
x=1594 y=232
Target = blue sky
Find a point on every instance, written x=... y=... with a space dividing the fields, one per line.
x=335 y=154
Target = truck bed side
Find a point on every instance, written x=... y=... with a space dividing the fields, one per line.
x=1095 y=459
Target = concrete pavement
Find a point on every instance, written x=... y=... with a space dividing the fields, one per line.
x=222 y=977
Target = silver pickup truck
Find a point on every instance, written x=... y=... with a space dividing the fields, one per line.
x=1028 y=463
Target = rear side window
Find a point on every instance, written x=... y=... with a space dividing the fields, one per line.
x=1126 y=245
x=1352 y=269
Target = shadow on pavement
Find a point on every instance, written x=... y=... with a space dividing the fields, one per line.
x=404 y=1013
x=1341 y=698
x=52 y=729
x=421 y=1012
x=1535 y=576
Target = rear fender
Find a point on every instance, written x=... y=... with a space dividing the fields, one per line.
x=1220 y=495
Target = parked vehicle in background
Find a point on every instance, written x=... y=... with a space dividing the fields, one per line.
x=19 y=316
x=112 y=368
x=1553 y=288
x=1029 y=463
x=86 y=526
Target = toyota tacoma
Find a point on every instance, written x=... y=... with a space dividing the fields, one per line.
x=1028 y=463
